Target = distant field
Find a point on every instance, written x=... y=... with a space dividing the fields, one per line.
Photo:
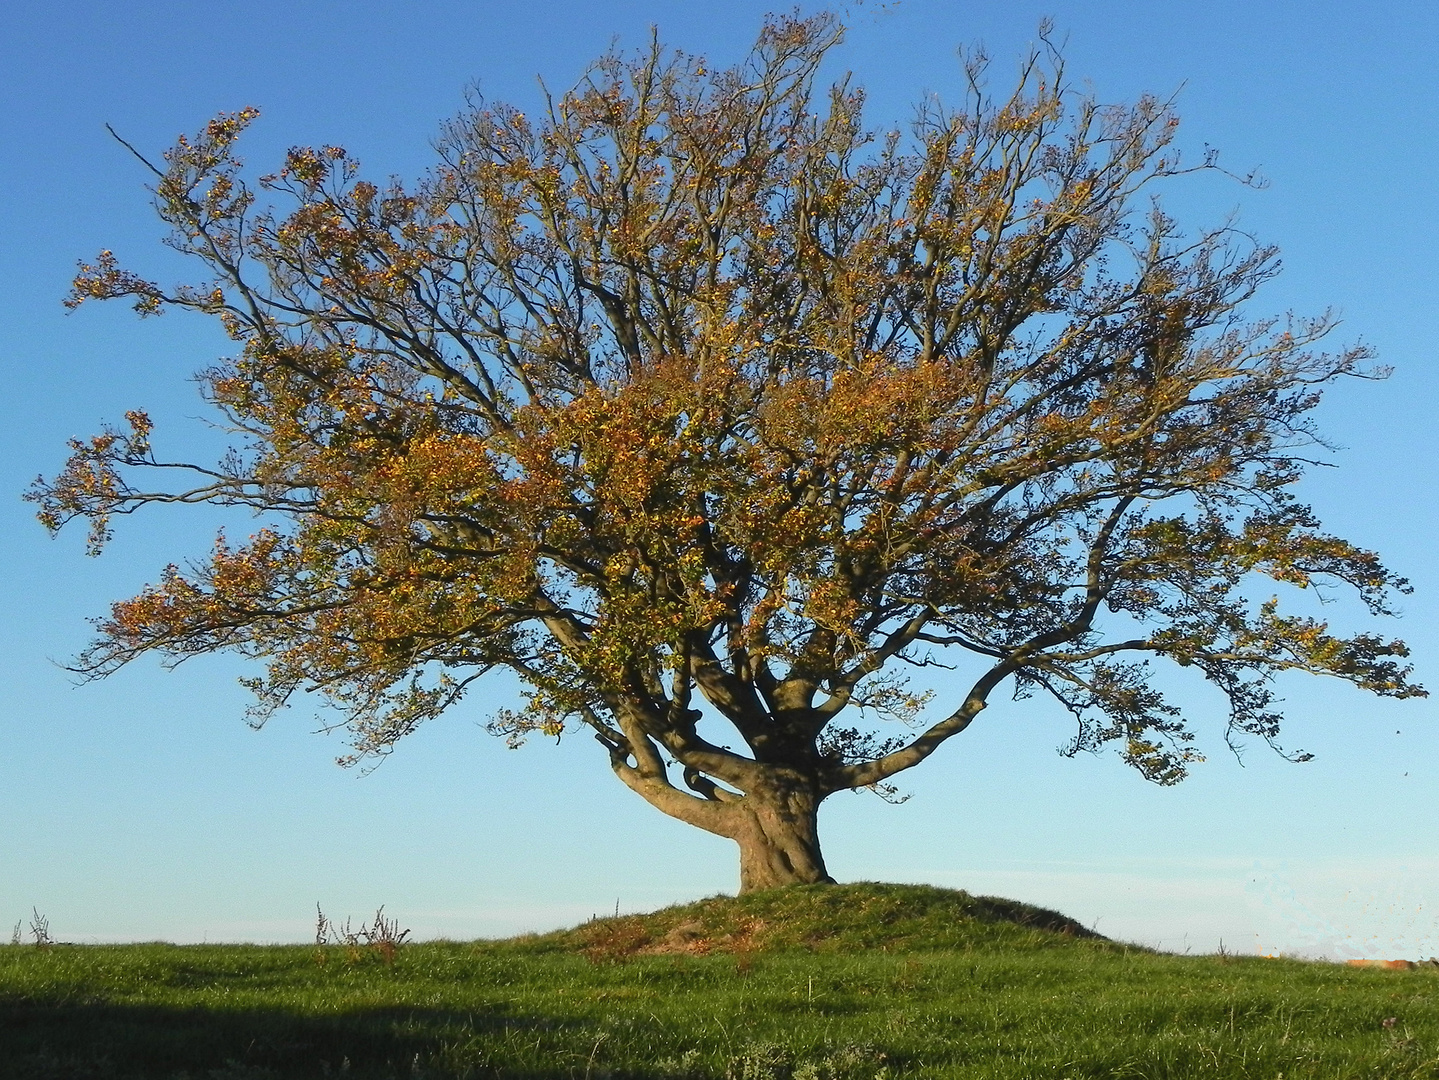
x=841 y=983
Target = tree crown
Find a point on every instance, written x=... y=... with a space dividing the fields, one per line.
x=696 y=396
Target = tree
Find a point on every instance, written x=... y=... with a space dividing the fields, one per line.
x=694 y=402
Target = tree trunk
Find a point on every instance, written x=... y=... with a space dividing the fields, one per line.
x=778 y=839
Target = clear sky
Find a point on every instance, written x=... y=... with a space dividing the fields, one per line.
x=143 y=807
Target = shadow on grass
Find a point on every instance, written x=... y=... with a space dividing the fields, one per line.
x=42 y=1040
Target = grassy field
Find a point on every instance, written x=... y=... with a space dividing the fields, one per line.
x=841 y=983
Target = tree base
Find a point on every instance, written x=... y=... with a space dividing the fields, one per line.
x=779 y=844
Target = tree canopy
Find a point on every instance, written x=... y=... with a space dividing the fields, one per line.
x=693 y=401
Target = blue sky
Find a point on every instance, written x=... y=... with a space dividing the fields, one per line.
x=143 y=807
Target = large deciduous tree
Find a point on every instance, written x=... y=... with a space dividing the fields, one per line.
x=692 y=401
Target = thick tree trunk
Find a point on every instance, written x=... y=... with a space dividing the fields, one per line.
x=778 y=839
x=774 y=821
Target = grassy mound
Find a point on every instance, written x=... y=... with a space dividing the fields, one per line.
x=824 y=918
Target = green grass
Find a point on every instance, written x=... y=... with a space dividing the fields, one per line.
x=840 y=983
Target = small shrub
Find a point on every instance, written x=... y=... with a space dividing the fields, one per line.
x=381 y=936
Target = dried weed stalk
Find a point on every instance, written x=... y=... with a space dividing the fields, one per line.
x=381 y=935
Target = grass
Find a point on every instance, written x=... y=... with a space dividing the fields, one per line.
x=850 y=982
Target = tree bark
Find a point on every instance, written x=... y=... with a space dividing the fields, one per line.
x=778 y=836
